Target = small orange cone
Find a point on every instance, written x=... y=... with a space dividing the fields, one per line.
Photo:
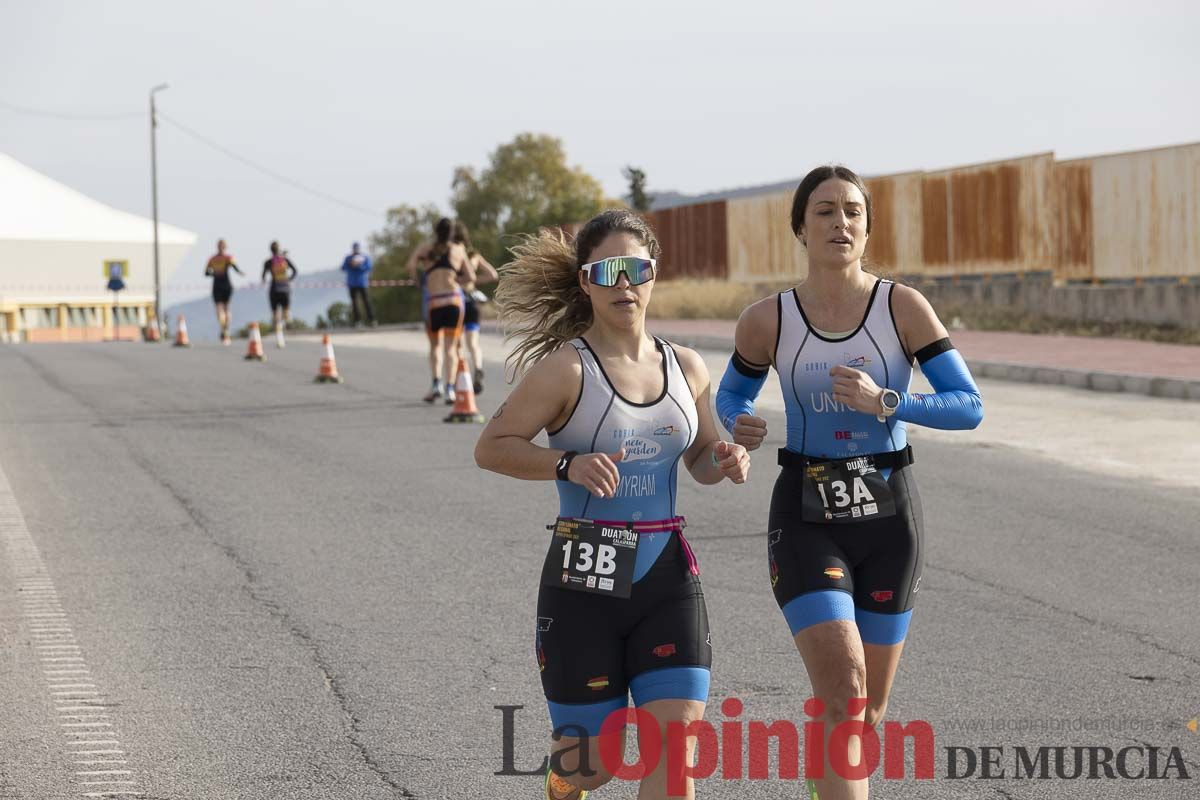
x=255 y=350
x=464 y=397
x=150 y=332
x=181 y=337
x=327 y=373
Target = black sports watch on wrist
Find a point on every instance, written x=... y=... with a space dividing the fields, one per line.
x=564 y=465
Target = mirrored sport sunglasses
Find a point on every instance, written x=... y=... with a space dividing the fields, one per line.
x=607 y=272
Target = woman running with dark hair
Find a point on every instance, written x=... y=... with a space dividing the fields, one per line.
x=845 y=530
x=477 y=270
x=222 y=288
x=620 y=610
x=442 y=304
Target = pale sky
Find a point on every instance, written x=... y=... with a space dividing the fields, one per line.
x=376 y=101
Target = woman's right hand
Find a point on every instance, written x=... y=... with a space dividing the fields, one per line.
x=597 y=472
x=749 y=431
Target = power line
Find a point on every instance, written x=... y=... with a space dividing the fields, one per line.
x=37 y=112
x=266 y=170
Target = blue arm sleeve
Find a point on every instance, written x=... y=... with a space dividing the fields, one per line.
x=739 y=387
x=956 y=404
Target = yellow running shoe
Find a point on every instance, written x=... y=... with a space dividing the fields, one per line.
x=812 y=790
x=559 y=789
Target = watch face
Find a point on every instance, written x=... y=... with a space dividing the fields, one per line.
x=891 y=399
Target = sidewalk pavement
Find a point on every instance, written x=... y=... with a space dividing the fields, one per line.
x=1083 y=362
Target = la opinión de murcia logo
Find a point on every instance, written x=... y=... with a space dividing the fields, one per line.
x=742 y=749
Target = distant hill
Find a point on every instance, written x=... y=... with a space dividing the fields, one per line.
x=251 y=304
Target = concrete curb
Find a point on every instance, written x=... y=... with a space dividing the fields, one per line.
x=1096 y=381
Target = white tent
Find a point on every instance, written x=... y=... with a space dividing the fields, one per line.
x=54 y=243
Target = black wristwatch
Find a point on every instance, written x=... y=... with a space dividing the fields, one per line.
x=564 y=465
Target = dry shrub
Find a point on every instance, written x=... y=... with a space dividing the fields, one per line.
x=699 y=299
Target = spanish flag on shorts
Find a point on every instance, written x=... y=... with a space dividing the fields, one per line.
x=596 y=684
x=835 y=573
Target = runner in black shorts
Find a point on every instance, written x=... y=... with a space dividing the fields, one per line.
x=620 y=610
x=281 y=270
x=222 y=288
x=845 y=532
x=435 y=267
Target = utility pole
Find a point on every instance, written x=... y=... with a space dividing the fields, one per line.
x=158 y=320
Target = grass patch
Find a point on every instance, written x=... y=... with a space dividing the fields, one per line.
x=700 y=299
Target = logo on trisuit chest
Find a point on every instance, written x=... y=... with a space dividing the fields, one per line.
x=639 y=449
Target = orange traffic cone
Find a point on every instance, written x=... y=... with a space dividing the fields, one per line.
x=181 y=337
x=327 y=373
x=150 y=332
x=254 y=352
x=464 y=397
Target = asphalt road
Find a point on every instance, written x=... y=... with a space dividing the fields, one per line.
x=259 y=587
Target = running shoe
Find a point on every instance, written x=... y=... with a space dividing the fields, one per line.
x=225 y=340
x=433 y=395
x=478 y=381
x=478 y=296
x=812 y=790
x=559 y=789
x=450 y=397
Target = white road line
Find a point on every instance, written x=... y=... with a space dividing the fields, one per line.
x=103 y=772
x=64 y=668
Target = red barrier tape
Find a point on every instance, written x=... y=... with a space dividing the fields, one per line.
x=175 y=287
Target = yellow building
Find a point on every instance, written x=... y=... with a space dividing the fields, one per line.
x=54 y=244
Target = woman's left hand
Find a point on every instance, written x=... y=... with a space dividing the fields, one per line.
x=856 y=389
x=732 y=460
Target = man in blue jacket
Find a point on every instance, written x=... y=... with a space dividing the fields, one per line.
x=357 y=267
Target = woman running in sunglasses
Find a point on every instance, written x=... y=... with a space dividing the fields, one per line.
x=477 y=270
x=620 y=610
x=845 y=530
x=442 y=304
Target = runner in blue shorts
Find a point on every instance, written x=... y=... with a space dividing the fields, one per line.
x=620 y=610
x=477 y=270
x=845 y=532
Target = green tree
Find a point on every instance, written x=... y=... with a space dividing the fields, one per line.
x=339 y=315
x=526 y=185
x=638 y=198
x=407 y=228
